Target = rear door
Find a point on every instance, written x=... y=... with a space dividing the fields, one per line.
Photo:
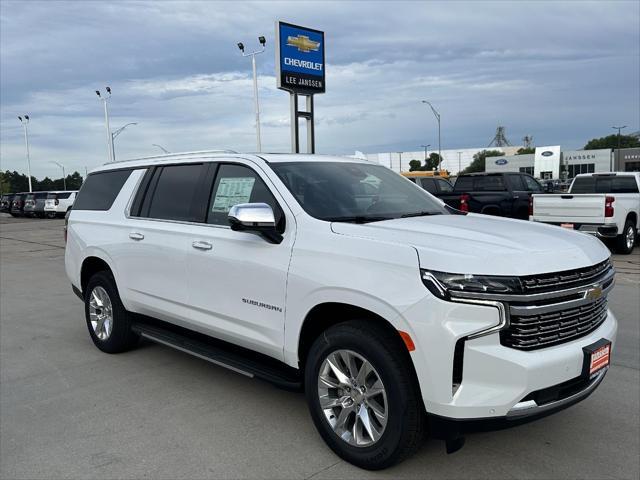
x=236 y=282
x=152 y=261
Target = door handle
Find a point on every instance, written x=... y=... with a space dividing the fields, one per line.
x=202 y=245
x=136 y=236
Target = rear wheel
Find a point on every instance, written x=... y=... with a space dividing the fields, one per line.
x=51 y=214
x=362 y=397
x=108 y=321
x=627 y=239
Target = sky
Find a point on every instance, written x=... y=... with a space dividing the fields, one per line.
x=562 y=72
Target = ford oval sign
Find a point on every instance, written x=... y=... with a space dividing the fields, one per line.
x=502 y=161
x=547 y=153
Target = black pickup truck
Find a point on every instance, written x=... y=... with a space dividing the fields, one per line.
x=502 y=194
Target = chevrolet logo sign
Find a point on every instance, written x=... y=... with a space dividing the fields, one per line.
x=593 y=293
x=303 y=44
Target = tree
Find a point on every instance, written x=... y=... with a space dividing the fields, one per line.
x=415 y=165
x=14 y=182
x=611 y=141
x=525 y=150
x=432 y=162
x=478 y=163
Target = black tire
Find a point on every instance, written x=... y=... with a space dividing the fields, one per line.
x=121 y=338
x=51 y=215
x=622 y=244
x=404 y=431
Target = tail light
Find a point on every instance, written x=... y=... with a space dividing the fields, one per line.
x=608 y=206
x=464 y=203
x=530 y=205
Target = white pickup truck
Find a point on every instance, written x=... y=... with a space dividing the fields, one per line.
x=603 y=204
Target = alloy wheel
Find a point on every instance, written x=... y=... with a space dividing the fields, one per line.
x=352 y=398
x=100 y=313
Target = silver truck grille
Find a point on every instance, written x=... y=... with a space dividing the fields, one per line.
x=554 y=281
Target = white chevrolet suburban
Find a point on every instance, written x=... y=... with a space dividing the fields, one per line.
x=603 y=204
x=395 y=313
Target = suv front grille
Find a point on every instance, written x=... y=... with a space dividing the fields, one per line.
x=557 y=307
x=544 y=330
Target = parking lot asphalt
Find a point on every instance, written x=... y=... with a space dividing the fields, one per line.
x=68 y=410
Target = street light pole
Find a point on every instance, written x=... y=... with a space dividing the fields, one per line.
x=459 y=163
x=437 y=115
x=425 y=152
x=160 y=147
x=64 y=176
x=25 y=122
x=263 y=42
x=105 y=99
x=400 y=154
x=114 y=134
x=618 y=154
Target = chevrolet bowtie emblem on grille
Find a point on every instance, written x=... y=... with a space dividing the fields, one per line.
x=303 y=43
x=593 y=293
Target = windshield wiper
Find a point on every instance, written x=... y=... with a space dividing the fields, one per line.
x=419 y=214
x=357 y=219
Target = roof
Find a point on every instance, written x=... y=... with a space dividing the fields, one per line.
x=190 y=157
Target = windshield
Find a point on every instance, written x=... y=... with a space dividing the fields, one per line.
x=354 y=192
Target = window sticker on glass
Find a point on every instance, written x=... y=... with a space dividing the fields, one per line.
x=231 y=191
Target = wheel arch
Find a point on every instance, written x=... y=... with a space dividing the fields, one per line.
x=633 y=217
x=90 y=266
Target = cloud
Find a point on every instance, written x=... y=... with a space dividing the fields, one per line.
x=560 y=71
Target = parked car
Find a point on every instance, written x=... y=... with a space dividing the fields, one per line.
x=501 y=194
x=59 y=203
x=603 y=204
x=432 y=184
x=390 y=309
x=5 y=202
x=34 y=204
x=17 y=204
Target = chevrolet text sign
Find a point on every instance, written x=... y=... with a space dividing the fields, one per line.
x=299 y=59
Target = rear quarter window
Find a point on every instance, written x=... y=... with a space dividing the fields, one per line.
x=490 y=183
x=100 y=190
x=464 y=183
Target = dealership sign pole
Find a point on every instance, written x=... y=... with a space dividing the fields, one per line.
x=300 y=71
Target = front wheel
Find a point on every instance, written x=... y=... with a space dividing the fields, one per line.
x=626 y=241
x=362 y=397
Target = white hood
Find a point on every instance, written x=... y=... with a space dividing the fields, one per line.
x=481 y=244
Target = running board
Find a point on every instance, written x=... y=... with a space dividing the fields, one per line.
x=223 y=354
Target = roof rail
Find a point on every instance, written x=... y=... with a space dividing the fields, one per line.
x=166 y=155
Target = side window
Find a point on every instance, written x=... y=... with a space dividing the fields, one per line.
x=464 y=183
x=516 y=183
x=531 y=183
x=236 y=184
x=100 y=190
x=429 y=185
x=489 y=183
x=173 y=194
x=444 y=185
x=624 y=184
x=62 y=196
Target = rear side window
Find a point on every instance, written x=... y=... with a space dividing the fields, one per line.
x=490 y=183
x=173 y=195
x=100 y=190
x=610 y=184
x=444 y=185
x=429 y=185
x=624 y=185
x=464 y=183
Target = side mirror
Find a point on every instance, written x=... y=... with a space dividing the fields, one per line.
x=254 y=217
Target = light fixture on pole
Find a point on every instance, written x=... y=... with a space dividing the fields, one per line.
x=263 y=42
x=25 y=121
x=105 y=99
x=114 y=134
x=64 y=176
x=425 y=152
x=618 y=153
x=437 y=115
x=160 y=147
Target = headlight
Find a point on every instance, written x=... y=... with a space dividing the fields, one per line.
x=442 y=283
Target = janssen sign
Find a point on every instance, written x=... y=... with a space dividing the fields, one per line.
x=300 y=64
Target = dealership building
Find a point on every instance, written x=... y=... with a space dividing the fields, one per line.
x=553 y=163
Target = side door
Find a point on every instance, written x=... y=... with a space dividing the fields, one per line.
x=519 y=196
x=236 y=281
x=152 y=260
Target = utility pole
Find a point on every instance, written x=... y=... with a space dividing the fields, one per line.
x=459 y=163
x=437 y=115
x=25 y=121
x=64 y=176
x=425 y=152
x=105 y=99
x=263 y=42
x=617 y=166
x=400 y=154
